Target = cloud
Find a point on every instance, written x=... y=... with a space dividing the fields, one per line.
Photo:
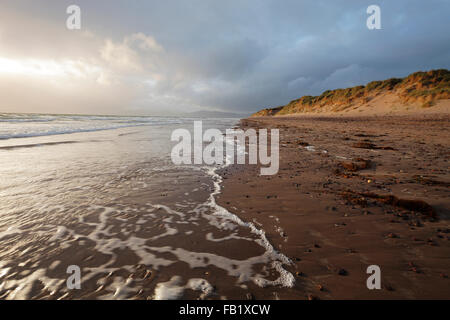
x=348 y=76
x=172 y=56
x=120 y=56
x=144 y=42
x=129 y=55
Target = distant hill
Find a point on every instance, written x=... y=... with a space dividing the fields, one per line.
x=216 y=114
x=419 y=90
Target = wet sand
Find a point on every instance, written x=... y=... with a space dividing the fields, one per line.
x=138 y=226
x=329 y=210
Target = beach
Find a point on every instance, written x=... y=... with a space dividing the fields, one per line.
x=352 y=192
x=102 y=195
x=236 y=158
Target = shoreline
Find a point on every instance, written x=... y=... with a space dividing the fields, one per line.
x=327 y=209
x=137 y=225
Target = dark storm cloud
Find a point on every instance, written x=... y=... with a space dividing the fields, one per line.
x=246 y=55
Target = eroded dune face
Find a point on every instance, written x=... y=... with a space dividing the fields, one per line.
x=422 y=92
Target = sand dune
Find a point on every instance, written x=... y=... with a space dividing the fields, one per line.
x=420 y=92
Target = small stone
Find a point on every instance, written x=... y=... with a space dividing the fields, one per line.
x=148 y=274
x=388 y=287
x=342 y=272
x=392 y=235
x=414 y=269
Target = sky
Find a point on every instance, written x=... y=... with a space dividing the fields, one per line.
x=169 y=57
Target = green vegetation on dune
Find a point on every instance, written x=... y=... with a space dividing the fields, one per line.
x=424 y=87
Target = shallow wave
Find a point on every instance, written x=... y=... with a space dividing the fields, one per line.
x=20 y=146
x=61 y=131
x=117 y=220
x=285 y=279
x=35 y=125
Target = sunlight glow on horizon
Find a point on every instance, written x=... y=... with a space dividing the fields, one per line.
x=46 y=68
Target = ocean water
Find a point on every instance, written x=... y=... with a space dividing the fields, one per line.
x=101 y=193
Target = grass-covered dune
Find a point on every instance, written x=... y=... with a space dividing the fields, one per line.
x=420 y=88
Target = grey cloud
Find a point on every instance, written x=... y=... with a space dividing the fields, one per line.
x=240 y=55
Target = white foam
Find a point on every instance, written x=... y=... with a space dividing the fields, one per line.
x=285 y=279
x=169 y=290
x=172 y=290
x=122 y=289
x=209 y=237
x=60 y=231
x=9 y=231
x=20 y=289
x=201 y=285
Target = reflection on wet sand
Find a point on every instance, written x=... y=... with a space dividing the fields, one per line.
x=136 y=225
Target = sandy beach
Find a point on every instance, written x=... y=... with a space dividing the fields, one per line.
x=102 y=194
x=230 y=156
x=353 y=192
